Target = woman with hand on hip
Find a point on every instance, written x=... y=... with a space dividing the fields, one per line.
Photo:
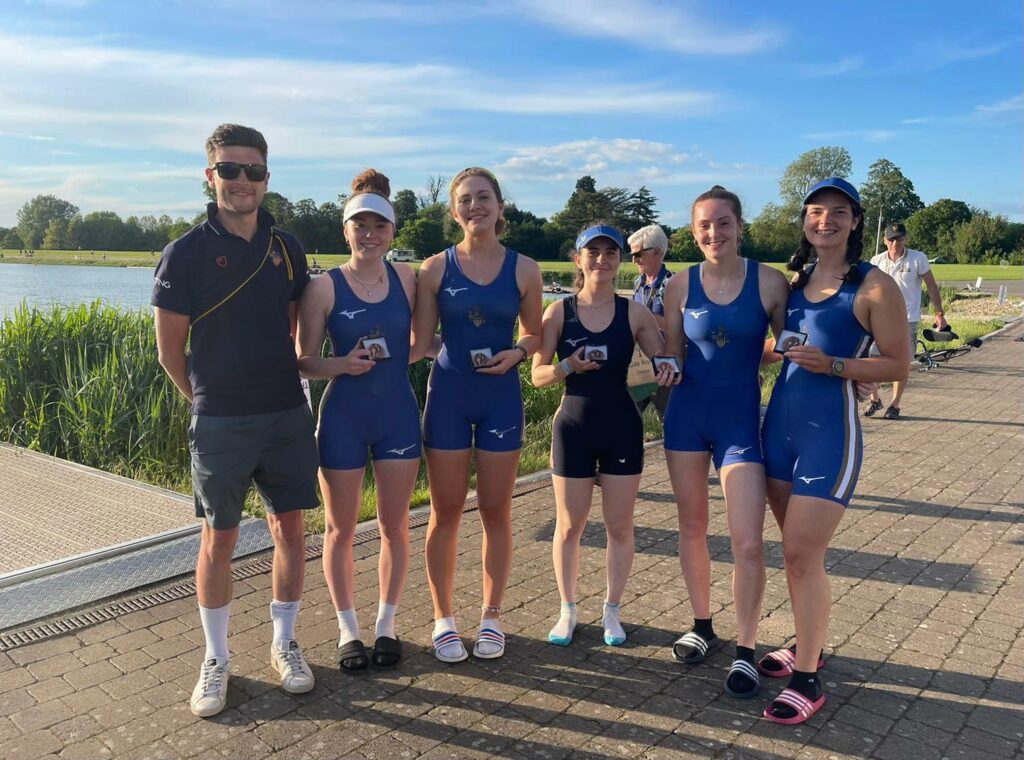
x=719 y=312
x=477 y=289
x=812 y=436
x=597 y=428
x=365 y=307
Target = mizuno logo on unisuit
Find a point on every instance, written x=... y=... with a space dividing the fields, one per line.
x=453 y=291
x=501 y=433
x=808 y=480
x=789 y=312
x=698 y=314
x=351 y=314
x=400 y=452
x=575 y=341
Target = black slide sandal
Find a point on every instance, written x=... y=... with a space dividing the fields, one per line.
x=387 y=652
x=352 y=656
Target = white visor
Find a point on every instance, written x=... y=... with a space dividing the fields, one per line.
x=375 y=204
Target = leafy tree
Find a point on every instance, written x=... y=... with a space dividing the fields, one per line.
x=887 y=196
x=279 y=207
x=406 y=205
x=772 y=236
x=10 y=239
x=640 y=210
x=424 y=234
x=584 y=206
x=56 y=237
x=985 y=239
x=209 y=193
x=35 y=217
x=925 y=227
x=682 y=246
x=809 y=168
x=527 y=233
x=102 y=231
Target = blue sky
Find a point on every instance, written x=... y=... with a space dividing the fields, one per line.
x=107 y=104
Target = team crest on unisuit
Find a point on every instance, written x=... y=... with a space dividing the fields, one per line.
x=476 y=316
x=721 y=337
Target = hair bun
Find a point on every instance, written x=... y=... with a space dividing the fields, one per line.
x=371 y=181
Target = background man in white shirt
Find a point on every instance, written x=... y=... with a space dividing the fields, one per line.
x=909 y=268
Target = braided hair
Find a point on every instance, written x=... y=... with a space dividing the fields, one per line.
x=805 y=251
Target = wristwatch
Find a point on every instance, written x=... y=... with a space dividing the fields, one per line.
x=838 y=365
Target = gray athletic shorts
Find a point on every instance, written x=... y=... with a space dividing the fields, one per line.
x=912 y=326
x=276 y=452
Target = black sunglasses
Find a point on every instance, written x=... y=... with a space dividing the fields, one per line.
x=640 y=253
x=231 y=170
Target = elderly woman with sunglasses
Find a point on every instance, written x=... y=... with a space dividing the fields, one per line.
x=647 y=247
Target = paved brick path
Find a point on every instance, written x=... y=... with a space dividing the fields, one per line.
x=925 y=654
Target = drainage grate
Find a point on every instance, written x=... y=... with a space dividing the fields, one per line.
x=367 y=533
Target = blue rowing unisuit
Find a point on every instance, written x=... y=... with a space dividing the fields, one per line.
x=375 y=410
x=812 y=435
x=716 y=407
x=460 y=401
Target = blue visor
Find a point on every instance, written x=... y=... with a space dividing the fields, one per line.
x=834 y=183
x=600 y=230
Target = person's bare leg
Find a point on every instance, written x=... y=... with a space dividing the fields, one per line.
x=689 y=474
x=448 y=472
x=744 y=489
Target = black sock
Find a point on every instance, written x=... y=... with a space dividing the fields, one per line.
x=738 y=681
x=703 y=628
x=807 y=684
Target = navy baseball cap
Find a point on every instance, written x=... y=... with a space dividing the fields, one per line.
x=895 y=230
x=600 y=230
x=834 y=183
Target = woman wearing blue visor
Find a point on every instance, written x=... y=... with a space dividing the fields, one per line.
x=812 y=437
x=597 y=428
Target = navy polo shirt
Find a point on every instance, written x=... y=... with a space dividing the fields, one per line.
x=241 y=358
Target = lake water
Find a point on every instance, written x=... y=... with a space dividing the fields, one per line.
x=46 y=284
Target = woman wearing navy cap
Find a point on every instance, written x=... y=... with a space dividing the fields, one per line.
x=597 y=427
x=365 y=306
x=812 y=437
x=477 y=289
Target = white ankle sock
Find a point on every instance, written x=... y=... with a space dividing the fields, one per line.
x=282 y=615
x=447 y=624
x=385 y=620
x=612 y=626
x=215 y=629
x=566 y=624
x=348 y=626
x=485 y=647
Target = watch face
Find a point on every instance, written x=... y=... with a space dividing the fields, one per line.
x=838 y=366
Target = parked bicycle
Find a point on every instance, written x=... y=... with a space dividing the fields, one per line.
x=930 y=358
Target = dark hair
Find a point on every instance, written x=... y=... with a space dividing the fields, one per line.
x=719 y=193
x=479 y=171
x=854 y=249
x=577 y=280
x=228 y=135
x=371 y=181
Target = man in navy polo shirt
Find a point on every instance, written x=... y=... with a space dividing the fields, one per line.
x=228 y=289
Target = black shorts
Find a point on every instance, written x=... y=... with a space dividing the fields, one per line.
x=587 y=438
x=275 y=451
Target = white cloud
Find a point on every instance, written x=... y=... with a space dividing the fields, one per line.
x=127 y=98
x=680 y=27
x=1008 y=105
x=836 y=68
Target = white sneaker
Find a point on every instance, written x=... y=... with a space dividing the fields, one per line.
x=296 y=677
x=211 y=692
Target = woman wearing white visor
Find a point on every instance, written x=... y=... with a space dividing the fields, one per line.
x=368 y=410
